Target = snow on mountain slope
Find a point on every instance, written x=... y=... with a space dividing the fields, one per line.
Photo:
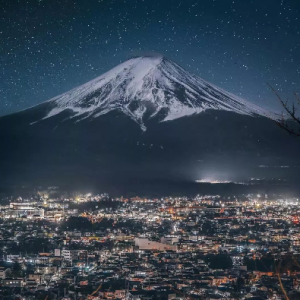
x=145 y=87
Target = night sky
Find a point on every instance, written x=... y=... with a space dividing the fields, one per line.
x=50 y=46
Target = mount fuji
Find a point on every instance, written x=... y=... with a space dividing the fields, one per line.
x=146 y=121
x=147 y=87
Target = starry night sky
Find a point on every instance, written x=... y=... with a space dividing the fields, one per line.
x=50 y=46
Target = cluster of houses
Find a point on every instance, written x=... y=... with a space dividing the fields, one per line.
x=94 y=247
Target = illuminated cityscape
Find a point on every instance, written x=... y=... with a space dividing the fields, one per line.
x=96 y=247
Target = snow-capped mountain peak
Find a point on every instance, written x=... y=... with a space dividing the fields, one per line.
x=148 y=87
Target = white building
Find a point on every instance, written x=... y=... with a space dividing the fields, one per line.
x=69 y=254
x=57 y=252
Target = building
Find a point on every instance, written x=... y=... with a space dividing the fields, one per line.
x=69 y=254
x=13 y=282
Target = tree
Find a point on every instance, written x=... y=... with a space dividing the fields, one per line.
x=291 y=111
x=219 y=261
x=239 y=284
x=16 y=270
x=77 y=223
x=295 y=296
